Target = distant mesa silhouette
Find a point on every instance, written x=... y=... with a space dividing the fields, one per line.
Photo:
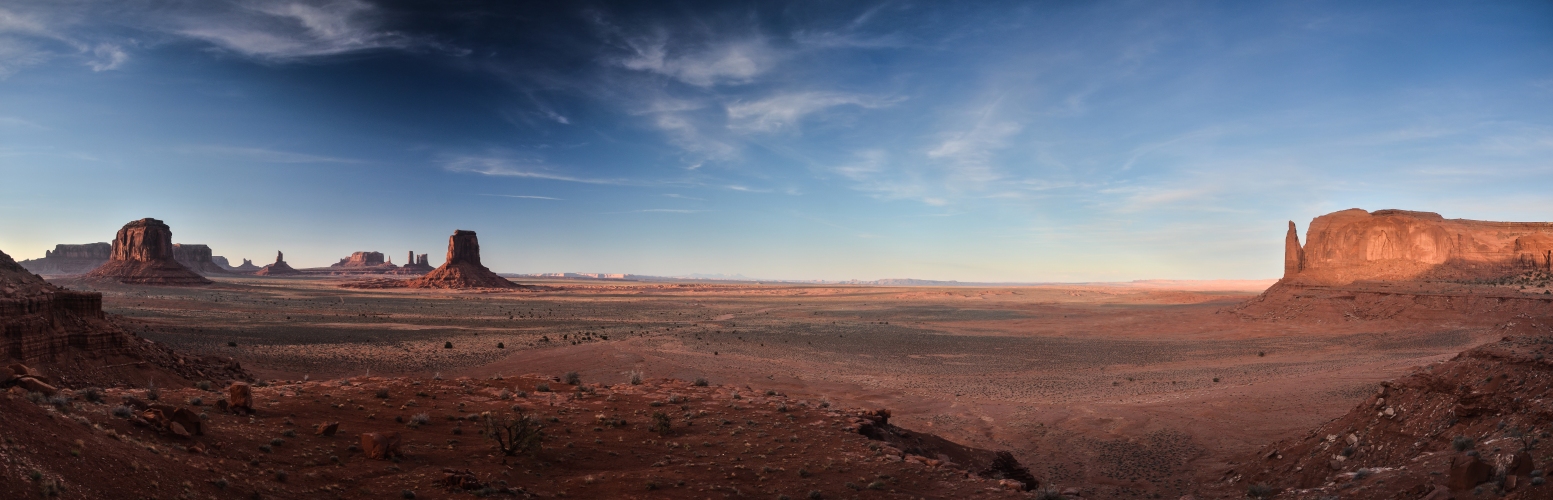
x=416 y=264
x=364 y=259
x=279 y=268
x=66 y=259
x=247 y=267
x=143 y=254
x=198 y=258
x=463 y=269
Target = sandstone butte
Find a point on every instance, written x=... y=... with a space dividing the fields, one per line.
x=463 y=268
x=246 y=267
x=197 y=258
x=279 y=268
x=414 y=265
x=363 y=259
x=1399 y=245
x=143 y=254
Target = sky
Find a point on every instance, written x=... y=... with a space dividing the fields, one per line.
x=1024 y=141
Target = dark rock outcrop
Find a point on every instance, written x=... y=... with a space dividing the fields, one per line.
x=197 y=258
x=65 y=260
x=279 y=268
x=247 y=267
x=143 y=254
x=463 y=269
x=41 y=321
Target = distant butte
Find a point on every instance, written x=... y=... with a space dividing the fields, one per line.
x=279 y=268
x=462 y=269
x=143 y=254
x=1400 y=245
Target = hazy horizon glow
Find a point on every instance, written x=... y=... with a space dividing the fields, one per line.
x=1006 y=141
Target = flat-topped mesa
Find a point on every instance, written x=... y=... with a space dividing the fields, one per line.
x=279 y=268
x=143 y=254
x=363 y=259
x=70 y=259
x=1400 y=245
x=463 y=268
x=41 y=320
x=198 y=258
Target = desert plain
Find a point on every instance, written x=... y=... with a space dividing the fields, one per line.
x=1139 y=389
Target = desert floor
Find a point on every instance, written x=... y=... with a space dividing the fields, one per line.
x=1135 y=389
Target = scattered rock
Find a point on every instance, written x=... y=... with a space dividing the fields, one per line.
x=1466 y=472
x=240 y=397
x=326 y=429
x=380 y=445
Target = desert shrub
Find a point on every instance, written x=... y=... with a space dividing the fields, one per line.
x=1049 y=494
x=277 y=442
x=1348 y=451
x=92 y=394
x=266 y=448
x=419 y=419
x=504 y=395
x=1462 y=443
x=447 y=345
x=661 y=423
x=500 y=345
x=60 y=402
x=636 y=378
x=407 y=494
x=203 y=385
x=290 y=433
x=770 y=392
x=197 y=401
x=1259 y=491
x=700 y=382
x=281 y=476
x=542 y=387
x=815 y=495
x=1362 y=473
x=382 y=393
x=853 y=485
x=220 y=483
x=122 y=411
x=231 y=343
x=515 y=434
x=572 y=378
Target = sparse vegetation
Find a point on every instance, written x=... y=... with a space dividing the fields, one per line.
x=542 y=387
x=419 y=419
x=514 y=435
x=92 y=394
x=572 y=378
x=661 y=423
x=447 y=345
x=381 y=393
x=700 y=382
x=1462 y=443
x=636 y=378
x=203 y=385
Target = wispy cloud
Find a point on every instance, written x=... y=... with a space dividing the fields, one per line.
x=286 y=30
x=726 y=61
x=263 y=155
x=783 y=111
x=509 y=167
x=522 y=196
x=660 y=210
x=968 y=153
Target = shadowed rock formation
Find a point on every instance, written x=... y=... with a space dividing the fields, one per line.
x=463 y=268
x=143 y=254
x=1400 y=245
x=197 y=258
x=66 y=260
x=362 y=259
x=246 y=267
x=279 y=268
x=415 y=265
x=40 y=320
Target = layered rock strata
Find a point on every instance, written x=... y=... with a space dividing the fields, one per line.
x=198 y=258
x=463 y=268
x=39 y=320
x=279 y=268
x=66 y=260
x=363 y=259
x=143 y=254
x=1400 y=245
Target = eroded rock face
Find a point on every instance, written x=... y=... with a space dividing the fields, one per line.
x=361 y=259
x=198 y=258
x=1399 y=245
x=40 y=321
x=143 y=254
x=463 y=268
x=279 y=268
x=66 y=260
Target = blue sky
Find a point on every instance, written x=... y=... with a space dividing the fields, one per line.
x=1017 y=141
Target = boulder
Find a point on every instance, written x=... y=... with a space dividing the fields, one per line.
x=326 y=429
x=240 y=397
x=35 y=385
x=380 y=445
x=1466 y=472
x=178 y=430
x=189 y=420
x=143 y=254
x=1521 y=464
